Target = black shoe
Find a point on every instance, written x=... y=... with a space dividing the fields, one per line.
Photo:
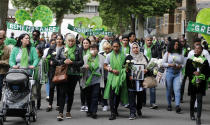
x=112 y=117
x=132 y=116
x=60 y=117
x=192 y=117
x=94 y=116
x=169 y=108
x=139 y=113
x=153 y=106
x=49 y=109
x=89 y=114
x=116 y=113
x=38 y=108
x=198 y=121
x=178 y=109
x=195 y=109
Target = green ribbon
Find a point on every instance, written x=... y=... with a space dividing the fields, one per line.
x=46 y=63
x=85 y=52
x=149 y=52
x=201 y=77
x=1 y=50
x=198 y=28
x=93 y=66
x=71 y=50
x=24 y=58
x=127 y=49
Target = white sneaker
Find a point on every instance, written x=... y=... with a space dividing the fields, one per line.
x=82 y=109
x=86 y=108
x=105 y=108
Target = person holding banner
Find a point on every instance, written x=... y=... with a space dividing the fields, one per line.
x=71 y=55
x=4 y=59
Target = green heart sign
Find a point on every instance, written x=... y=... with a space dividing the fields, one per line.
x=93 y=23
x=203 y=17
x=42 y=13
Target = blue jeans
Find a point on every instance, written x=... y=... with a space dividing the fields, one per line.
x=173 y=81
x=152 y=95
x=47 y=88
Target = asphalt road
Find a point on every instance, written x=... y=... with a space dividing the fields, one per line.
x=150 y=116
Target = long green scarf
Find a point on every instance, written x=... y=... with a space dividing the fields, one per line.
x=127 y=49
x=24 y=58
x=85 y=52
x=149 y=52
x=117 y=82
x=1 y=50
x=71 y=50
x=93 y=66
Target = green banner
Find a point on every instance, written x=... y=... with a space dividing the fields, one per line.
x=88 y=31
x=19 y=27
x=198 y=28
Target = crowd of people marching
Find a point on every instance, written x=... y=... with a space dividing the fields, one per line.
x=103 y=69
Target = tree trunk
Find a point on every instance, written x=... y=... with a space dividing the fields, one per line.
x=3 y=14
x=191 y=13
x=140 y=27
x=59 y=20
x=133 y=19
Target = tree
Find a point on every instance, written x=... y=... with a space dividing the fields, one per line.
x=131 y=9
x=3 y=13
x=191 y=13
x=59 y=7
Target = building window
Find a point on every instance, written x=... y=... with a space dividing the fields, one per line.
x=178 y=18
x=166 y=20
x=91 y=9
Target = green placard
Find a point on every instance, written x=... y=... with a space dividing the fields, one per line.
x=198 y=28
x=19 y=27
x=89 y=32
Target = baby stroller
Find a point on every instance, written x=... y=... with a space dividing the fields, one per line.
x=17 y=96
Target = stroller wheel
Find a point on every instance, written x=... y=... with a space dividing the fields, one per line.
x=34 y=116
x=4 y=118
x=27 y=120
x=1 y=121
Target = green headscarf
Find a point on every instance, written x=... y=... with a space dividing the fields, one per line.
x=24 y=58
x=71 y=50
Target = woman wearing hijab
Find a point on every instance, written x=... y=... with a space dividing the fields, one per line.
x=135 y=88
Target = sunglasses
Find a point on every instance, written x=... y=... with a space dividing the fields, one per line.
x=1 y=38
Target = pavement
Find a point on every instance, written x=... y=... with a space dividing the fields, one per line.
x=158 y=116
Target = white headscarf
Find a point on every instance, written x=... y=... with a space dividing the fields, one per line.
x=138 y=58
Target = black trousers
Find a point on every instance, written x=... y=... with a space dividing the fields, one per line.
x=52 y=91
x=104 y=101
x=92 y=95
x=183 y=86
x=67 y=91
x=193 y=98
x=83 y=97
x=38 y=89
x=132 y=96
x=114 y=101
